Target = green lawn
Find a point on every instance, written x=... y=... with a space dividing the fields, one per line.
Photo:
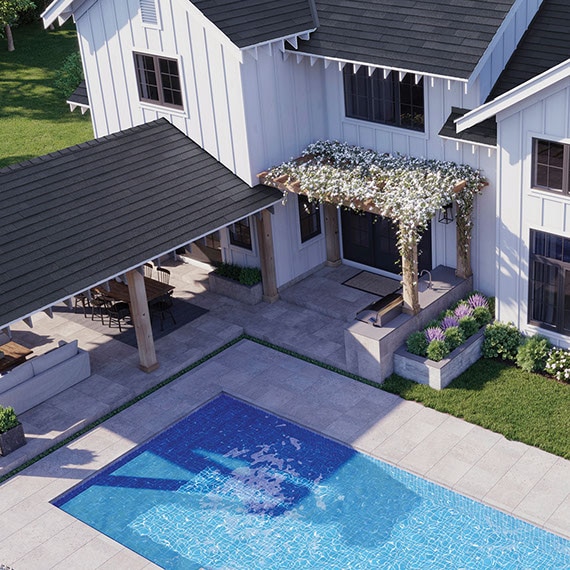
x=34 y=119
x=522 y=406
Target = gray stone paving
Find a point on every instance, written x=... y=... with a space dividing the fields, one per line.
x=511 y=476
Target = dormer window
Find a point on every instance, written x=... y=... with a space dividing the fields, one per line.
x=385 y=100
x=158 y=80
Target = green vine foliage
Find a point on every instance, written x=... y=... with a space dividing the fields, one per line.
x=406 y=189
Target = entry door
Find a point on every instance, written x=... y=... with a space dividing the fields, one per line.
x=371 y=240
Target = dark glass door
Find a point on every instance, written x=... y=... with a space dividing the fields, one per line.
x=371 y=240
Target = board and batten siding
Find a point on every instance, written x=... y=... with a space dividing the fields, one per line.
x=521 y=208
x=110 y=31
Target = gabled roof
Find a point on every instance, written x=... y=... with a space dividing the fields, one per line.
x=545 y=44
x=80 y=216
x=79 y=98
x=252 y=22
x=439 y=37
x=484 y=134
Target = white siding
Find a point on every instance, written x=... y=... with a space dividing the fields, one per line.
x=521 y=208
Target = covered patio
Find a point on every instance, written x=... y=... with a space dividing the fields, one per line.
x=90 y=214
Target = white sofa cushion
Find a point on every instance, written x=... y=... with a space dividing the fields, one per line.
x=53 y=357
x=16 y=376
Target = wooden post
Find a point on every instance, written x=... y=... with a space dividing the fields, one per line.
x=410 y=281
x=141 y=319
x=332 y=235
x=267 y=256
x=464 y=269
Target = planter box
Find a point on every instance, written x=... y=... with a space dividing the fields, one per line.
x=438 y=374
x=248 y=294
x=12 y=440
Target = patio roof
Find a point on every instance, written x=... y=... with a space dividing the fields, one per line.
x=85 y=214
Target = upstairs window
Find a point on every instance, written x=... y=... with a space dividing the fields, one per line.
x=551 y=166
x=309 y=219
x=388 y=101
x=240 y=234
x=158 y=80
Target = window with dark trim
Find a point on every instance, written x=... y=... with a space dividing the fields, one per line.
x=551 y=166
x=240 y=234
x=549 y=287
x=309 y=219
x=385 y=100
x=158 y=80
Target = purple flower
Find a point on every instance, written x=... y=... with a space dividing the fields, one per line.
x=477 y=300
x=434 y=333
x=463 y=310
x=449 y=322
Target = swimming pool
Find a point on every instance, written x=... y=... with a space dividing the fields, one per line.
x=232 y=486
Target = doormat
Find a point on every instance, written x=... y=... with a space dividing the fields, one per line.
x=372 y=283
x=183 y=311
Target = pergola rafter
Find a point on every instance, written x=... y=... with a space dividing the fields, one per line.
x=408 y=190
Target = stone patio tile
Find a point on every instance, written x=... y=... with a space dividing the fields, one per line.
x=464 y=455
x=485 y=474
x=515 y=485
x=126 y=559
x=108 y=391
x=346 y=429
x=436 y=445
x=559 y=521
x=317 y=417
x=546 y=496
x=91 y=555
x=275 y=399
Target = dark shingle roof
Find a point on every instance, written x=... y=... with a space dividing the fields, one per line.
x=250 y=22
x=441 y=37
x=76 y=217
x=545 y=44
x=79 y=96
x=483 y=133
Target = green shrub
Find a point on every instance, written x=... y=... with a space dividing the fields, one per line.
x=482 y=315
x=502 y=340
x=558 y=364
x=229 y=270
x=437 y=350
x=250 y=276
x=468 y=326
x=533 y=354
x=491 y=301
x=417 y=343
x=8 y=419
x=454 y=337
x=70 y=75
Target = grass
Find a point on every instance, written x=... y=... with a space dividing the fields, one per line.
x=522 y=406
x=34 y=118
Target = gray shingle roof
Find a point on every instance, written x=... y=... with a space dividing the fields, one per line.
x=483 y=133
x=441 y=37
x=79 y=96
x=81 y=215
x=545 y=44
x=250 y=22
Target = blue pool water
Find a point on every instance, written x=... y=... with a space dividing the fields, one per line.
x=234 y=487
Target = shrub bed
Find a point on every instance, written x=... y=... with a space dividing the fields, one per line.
x=244 y=275
x=451 y=329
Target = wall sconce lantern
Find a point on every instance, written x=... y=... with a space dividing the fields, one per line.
x=446 y=214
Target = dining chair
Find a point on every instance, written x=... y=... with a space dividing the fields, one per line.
x=117 y=312
x=148 y=269
x=162 y=306
x=97 y=304
x=81 y=300
x=163 y=275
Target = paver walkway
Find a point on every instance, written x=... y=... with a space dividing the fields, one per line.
x=514 y=477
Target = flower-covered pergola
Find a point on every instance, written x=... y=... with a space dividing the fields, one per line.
x=408 y=190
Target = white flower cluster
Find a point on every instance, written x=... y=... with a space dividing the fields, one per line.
x=408 y=190
x=558 y=364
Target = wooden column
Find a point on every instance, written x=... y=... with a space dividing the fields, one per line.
x=267 y=256
x=410 y=281
x=141 y=319
x=332 y=235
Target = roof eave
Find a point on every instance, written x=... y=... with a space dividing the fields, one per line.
x=58 y=10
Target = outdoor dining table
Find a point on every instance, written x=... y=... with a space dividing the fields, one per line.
x=14 y=354
x=119 y=291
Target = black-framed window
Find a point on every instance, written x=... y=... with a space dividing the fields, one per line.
x=549 y=287
x=385 y=100
x=309 y=219
x=158 y=80
x=551 y=166
x=240 y=234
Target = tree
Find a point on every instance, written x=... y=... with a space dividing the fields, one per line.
x=9 y=12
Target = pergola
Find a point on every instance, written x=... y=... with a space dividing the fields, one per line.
x=408 y=190
x=77 y=218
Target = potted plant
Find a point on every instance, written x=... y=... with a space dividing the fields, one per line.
x=11 y=431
